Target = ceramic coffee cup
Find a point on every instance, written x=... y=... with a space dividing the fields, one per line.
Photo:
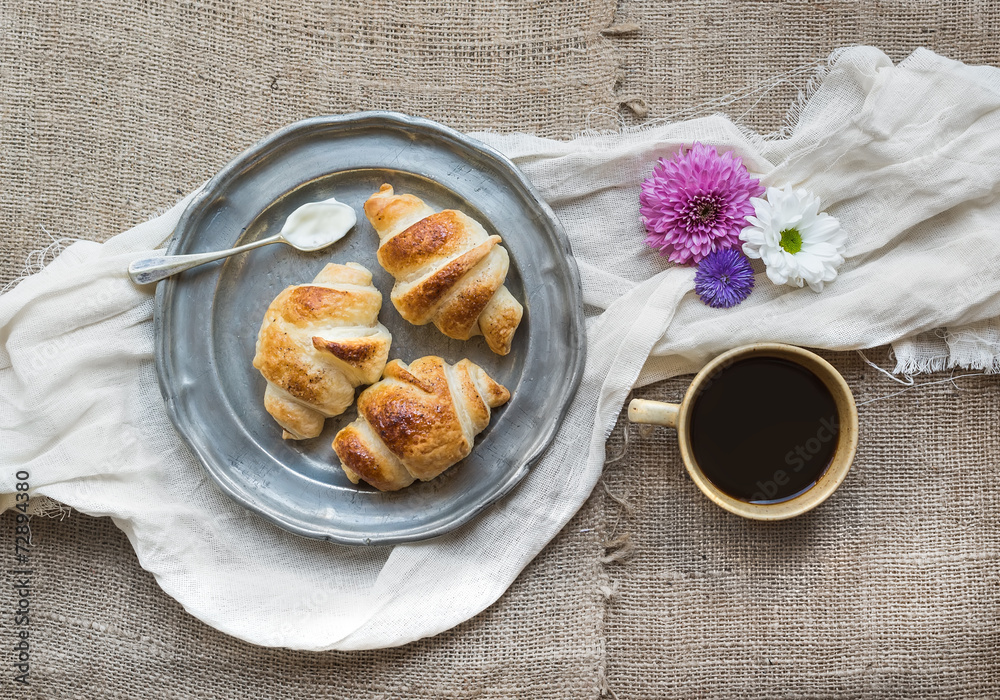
x=679 y=416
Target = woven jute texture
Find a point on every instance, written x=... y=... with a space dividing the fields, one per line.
x=891 y=589
x=749 y=59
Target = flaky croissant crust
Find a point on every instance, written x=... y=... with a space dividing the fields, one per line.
x=316 y=344
x=449 y=271
x=417 y=421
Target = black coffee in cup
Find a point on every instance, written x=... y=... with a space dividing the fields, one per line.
x=764 y=429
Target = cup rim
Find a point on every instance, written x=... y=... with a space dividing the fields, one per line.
x=843 y=457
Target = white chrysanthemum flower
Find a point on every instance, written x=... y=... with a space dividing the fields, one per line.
x=797 y=242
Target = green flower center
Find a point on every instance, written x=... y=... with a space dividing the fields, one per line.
x=791 y=240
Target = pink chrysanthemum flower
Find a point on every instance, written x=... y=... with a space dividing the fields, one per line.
x=696 y=203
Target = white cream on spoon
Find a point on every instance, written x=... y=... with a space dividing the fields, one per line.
x=318 y=224
x=310 y=227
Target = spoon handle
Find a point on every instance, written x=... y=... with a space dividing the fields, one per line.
x=149 y=270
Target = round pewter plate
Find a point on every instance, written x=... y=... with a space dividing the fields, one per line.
x=207 y=320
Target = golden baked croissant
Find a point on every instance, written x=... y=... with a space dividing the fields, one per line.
x=317 y=343
x=448 y=270
x=417 y=422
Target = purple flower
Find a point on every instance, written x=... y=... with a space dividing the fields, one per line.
x=697 y=202
x=724 y=278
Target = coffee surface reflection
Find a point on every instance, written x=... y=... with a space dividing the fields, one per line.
x=764 y=429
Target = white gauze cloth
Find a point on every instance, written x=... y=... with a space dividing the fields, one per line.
x=908 y=158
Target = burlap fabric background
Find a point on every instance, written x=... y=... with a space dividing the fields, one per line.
x=891 y=589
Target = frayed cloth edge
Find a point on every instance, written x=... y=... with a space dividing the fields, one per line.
x=910 y=365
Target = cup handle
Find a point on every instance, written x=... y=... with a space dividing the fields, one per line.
x=653 y=412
